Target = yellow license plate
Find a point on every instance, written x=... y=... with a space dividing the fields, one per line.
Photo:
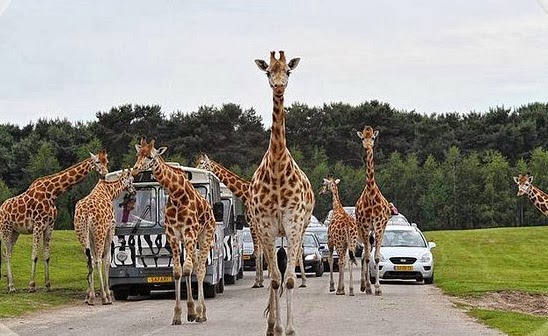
x=158 y=279
x=246 y=257
x=403 y=267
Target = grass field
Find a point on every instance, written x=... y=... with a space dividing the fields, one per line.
x=68 y=273
x=474 y=262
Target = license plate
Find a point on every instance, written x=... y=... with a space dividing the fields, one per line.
x=246 y=257
x=403 y=267
x=158 y=279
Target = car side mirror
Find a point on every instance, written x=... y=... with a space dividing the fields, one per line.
x=240 y=221
x=431 y=245
x=218 y=211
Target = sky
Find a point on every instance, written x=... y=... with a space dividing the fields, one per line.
x=72 y=59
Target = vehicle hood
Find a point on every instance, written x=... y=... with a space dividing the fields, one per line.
x=389 y=252
x=309 y=250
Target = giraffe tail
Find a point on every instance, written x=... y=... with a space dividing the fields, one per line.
x=281 y=258
x=352 y=257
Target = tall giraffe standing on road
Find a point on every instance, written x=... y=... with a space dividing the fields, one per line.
x=372 y=213
x=93 y=225
x=282 y=198
x=342 y=235
x=240 y=188
x=538 y=197
x=34 y=212
x=188 y=219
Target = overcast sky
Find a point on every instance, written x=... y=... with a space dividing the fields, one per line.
x=71 y=59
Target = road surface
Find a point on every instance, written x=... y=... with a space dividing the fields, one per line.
x=405 y=308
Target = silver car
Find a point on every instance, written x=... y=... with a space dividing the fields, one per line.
x=404 y=254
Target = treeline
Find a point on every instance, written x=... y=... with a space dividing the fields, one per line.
x=443 y=171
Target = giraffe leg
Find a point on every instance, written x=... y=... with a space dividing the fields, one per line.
x=274 y=323
x=301 y=267
x=99 y=266
x=201 y=270
x=365 y=283
x=331 y=281
x=351 y=283
x=295 y=251
x=9 y=243
x=378 y=241
x=188 y=268
x=106 y=267
x=37 y=235
x=177 y=275
x=90 y=295
x=47 y=254
x=342 y=264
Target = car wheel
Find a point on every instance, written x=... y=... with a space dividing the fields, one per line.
x=230 y=279
x=429 y=281
x=319 y=269
x=221 y=285
x=240 y=273
x=121 y=293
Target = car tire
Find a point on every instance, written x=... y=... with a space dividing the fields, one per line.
x=429 y=281
x=210 y=291
x=221 y=285
x=319 y=269
x=240 y=273
x=121 y=293
x=230 y=279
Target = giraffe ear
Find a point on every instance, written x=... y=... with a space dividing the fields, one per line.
x=360 y=134
x=516 y=179
x=325 y=181
x=261 y=64
x=337 y=181
x=93 y=156
x=530 y=179
x=293 y=63
x=375 y=134
x=137 y=148
x=161 y=151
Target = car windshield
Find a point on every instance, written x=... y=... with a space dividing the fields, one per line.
x=308 y=240
x=322 y=236
x=403 y=238
x=247 y=237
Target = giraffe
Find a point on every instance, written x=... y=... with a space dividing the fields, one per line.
x=34 y=212
x=342 y=235
x=240 y=188
x=93 y=225
x=188 y=219
x=372 y=212
x=282 y=198
x=538 y=197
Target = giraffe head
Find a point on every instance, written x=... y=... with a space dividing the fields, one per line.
x=368 y=136
x=204 y=162
x=278 y=70
x=329 y=185
x=146 y=156
x=524 y=183
x=127 y=181
x=100 y=162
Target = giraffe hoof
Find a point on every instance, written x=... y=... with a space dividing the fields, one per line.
x=12 y=290
x=32 y=290
x=255 y=286
x=191 y=318
x=331 y=289
x=351 y=293
x=340 y=293
x=378 y=292
x=176 y=322
x=107 y=303
x=201 y=319
x=90 y=303
x=302 y=286
x=261 y=286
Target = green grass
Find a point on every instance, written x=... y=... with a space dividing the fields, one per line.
x=68 y=273
x=474 y=262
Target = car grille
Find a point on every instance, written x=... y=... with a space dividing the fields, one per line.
x=403 y=260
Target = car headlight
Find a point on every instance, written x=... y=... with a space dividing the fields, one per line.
x=311 y=257
x=427 y=257
x=122 y=256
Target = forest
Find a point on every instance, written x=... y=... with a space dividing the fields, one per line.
x=443 y=171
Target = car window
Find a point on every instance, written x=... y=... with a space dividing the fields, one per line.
x=247 y=237
x=403 y=238
x=321 y=235
x=398 y=220
x=309 y=241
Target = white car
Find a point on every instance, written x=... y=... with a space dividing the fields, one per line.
x=404 y=254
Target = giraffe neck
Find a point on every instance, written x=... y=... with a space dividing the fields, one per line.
x=337 y=205
x=65 y=179
x=169 y=177
x=370 y=169
x=110 y=188
x=277 y=146
x=236 y=184
x=539 y=199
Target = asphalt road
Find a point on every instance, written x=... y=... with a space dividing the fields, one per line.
x=405 y=308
